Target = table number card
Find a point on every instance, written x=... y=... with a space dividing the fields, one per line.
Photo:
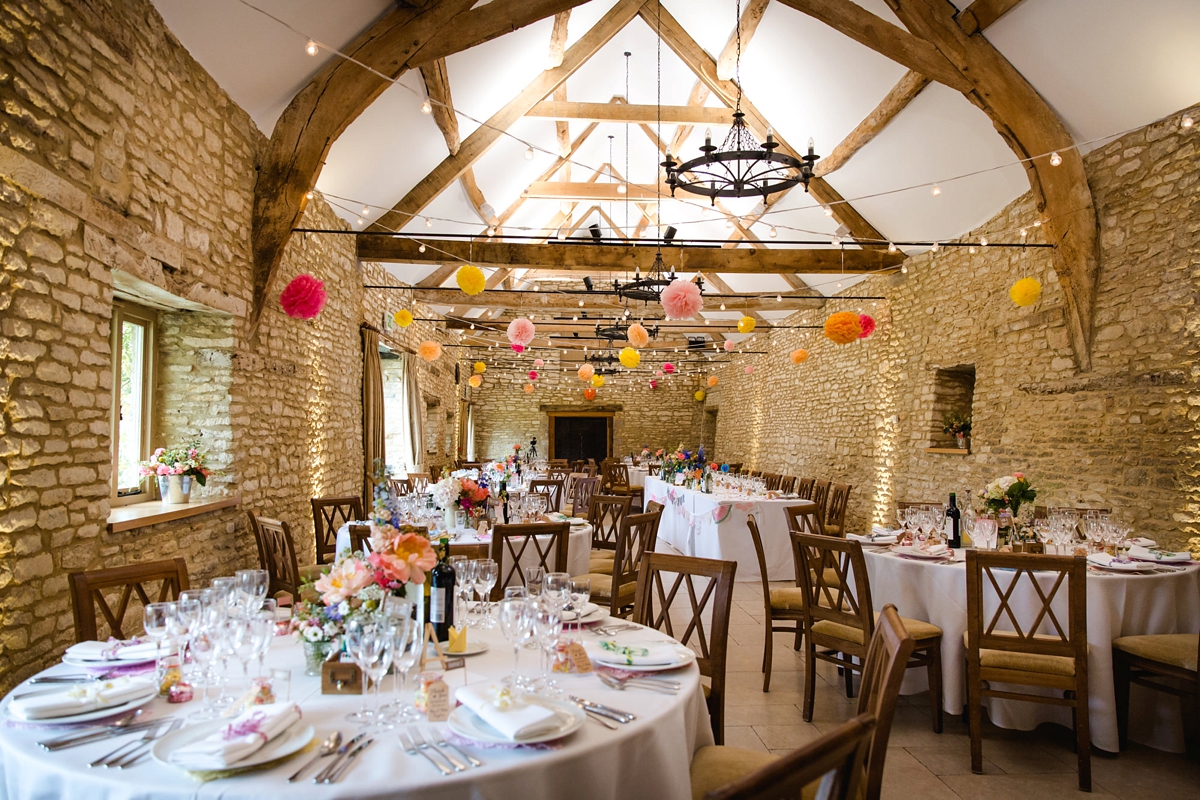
x=579 y=658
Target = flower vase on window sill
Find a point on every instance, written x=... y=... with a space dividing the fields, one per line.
x=175 y=467
x=175 y=489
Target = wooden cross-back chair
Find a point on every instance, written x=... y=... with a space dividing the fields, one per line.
x=559 y=463
x=419 y=481
x=787 y=484
x=663 y=580
x=553 y=489
x=841 y=618
x=804 y=488
x=834 y=521
x=559 y=473
x=771 y=480
x=615 y=480
x=605 y=513
x=820 y=496
x=780 y=605
x=511 y=542
x=329 y=514
x=802 y=518
x=400 y=486
x=736 y=467
x=1164 y=662
x=1040 y=650
x=579 y=492
x=360 y=538
x=277 y=555
x=88 y=591
x=618 y=587
x=579 y=466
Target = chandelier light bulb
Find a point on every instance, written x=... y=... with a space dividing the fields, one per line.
x=1055 y=159
x=426 y=107
x=773 y=233
x=312 y=48
x=1187 y=121
x=708 y=135
x=936 y=190
x=529 y=154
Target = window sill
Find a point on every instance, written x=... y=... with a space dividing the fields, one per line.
x=143 y=515
x=949 y=451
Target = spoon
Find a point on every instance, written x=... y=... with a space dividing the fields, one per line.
x=327 y=747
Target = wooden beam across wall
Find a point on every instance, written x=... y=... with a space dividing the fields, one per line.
x=548 y=301
x=618 y=258
x=624 y=112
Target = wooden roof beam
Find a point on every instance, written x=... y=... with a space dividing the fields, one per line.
x=550 y=301
x=624 y=112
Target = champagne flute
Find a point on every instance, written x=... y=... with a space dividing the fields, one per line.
x=356 y=634
x=406 y=643
x=516 y=624
x=202 y=643
x=375 y=657
x=547 y=627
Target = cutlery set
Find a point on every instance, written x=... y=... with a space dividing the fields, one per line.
x=343 y=758
x=131 y=753
x=660 y=685
x=413 y=741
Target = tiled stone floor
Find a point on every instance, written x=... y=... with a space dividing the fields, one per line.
x=921 y=764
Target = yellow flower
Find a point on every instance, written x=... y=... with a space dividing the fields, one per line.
x=745 y=324
x=403 y=318
x=1026 y=291
x=470 y=279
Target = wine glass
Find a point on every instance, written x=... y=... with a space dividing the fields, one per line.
x=157 y=623
x=581 y=595
x=986 y=533
x=407 y=641
x=262 y=631
x=375 y=656
x=485 y=578
x=356 y=635
x=223 y=590
x=244 y=646
x=516 y=623
x=252 y=587
x=202 y=644
x=547 y=627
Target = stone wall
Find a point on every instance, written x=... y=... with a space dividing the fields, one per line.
x=1122 y=435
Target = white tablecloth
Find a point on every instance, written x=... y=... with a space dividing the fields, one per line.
x=579 y=546
x=714 y=526
x=1118 y=605
x=637 y=475
x=651 y=754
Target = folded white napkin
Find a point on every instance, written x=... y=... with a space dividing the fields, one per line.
x=876 y=537
x=880 y=529
x=937 y=549
x=112 y=651
x=1105 y=560
x=81 y=699
x=516 y=721
x=568 y=615
x=244 y=736
x=1142 y=541
x=635 y=654
x=1152 y=554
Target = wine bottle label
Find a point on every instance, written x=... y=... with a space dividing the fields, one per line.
x=437 y=604
x=949 y=528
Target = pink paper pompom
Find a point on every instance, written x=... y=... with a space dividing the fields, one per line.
x=520 y=331
x=749 y=370
x=533 y=374
x=653 y=384
x=303 y=297
x=518 y=348
x=539 y=363
x=729 y=345
x=658 y=372
x=681 y=299
x=668 y=367
x=868 y=325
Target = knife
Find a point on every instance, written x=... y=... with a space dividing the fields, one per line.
x=337 y=759
x=612 y=713
x=353 y=753
x=88 y=737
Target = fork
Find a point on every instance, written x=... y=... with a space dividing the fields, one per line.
x=620 y=685
x=140 y=752
x=441 y=742
x=423 y=745
x=408 y=746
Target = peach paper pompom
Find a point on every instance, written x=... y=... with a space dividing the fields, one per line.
x=637 y=335
x=712 y=380
x=799 y=356
x=470 y=279
x=529 y=388
x=520 y=331
x=729 y=345
x=681 y=299
x=586 y=372
x=749 y=370
x=867 y=322
x=429 y=350
x=475 y=381
x=539 y=363
x=589 y=393
x=843 y=327
x=533 y=374
x=668 y=367
x=303 y=297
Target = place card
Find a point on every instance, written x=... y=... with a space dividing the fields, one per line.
x=437 y=701
x=579 y=658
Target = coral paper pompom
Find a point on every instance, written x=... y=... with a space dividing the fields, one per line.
x=533 y=374
x=470 y=279
x=586 y=372
x=867 y=323
x=1026 y=291
x=729 y=345
x=403 y=318
x=539 y=363
x=520 y=331
x=746 y=325
x=681 y=299
x=749 y=370
x=480 y=367
x=429 y=350
x=712 y=380
x=637 y=335
x=475 y=381
x=699 y=395
x=799 y=356
x=529 y=388
x=843 y=327
x=629 y=357
x=304 y=297
x=653 y=384
x=597 y=381
x=589 y=393
x=668 y=367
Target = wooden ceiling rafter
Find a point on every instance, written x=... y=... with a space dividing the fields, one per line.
x=568 y=303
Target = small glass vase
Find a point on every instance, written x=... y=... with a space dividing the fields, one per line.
x=315 y=654
x=960 y=439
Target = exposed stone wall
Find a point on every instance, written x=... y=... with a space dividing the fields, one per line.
x=1122 y=435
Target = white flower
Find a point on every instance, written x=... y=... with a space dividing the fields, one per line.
x=330 y=630
x=343 y=608
x=371 y=593
x=1006 y=482
x=313 y=633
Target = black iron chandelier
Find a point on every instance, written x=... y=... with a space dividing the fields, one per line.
x=741 y=167
x=619 y=330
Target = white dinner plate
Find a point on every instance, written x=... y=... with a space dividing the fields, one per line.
x=469 y=725
x=574 y=616
x=1130 y=566
x=474 y=648
x=915 y=552
x=137 y=702
x=686 y=657
x=292 y=740
x=105 y=664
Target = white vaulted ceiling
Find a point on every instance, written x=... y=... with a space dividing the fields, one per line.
x=1104 y=65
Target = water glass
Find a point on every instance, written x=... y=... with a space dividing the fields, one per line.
x=533 y=580
x=251 y=587
x=557 y=587
x=355 y=637
x=581 y=595
x=516 y=623
x=487 y=571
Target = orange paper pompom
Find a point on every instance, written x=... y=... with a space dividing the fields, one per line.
x=586 y=372
x=589 y=393
x=712 y=380
x=529 y=388
x=475 y=381
x=843 y=327
x=799 y=356
x=637 y=335
x=429 y=350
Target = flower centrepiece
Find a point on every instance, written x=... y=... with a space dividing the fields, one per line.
x=470 y=279
x=178 y=459
x=843 y=327
x=681 y=299
x=303 y=297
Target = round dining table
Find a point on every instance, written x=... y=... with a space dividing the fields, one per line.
x=648 y=757
x=1117 y=605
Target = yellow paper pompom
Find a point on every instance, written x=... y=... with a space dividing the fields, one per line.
x=629 y=357
x=475 y=381
x=480 y=367
x=712 y=381
x=1026 y=291
x=843 y=327
x=637 y=335
x=597 y=381
x=470 y=279
x=699 y=395
x=799 y=356
x=529 y=388
x=586 y=372
x=429 y=350
x=403 y=318
x=745 y=324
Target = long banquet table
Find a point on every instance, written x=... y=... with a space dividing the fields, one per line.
x=651 y=755
x=714 y=526
x=1117 y=605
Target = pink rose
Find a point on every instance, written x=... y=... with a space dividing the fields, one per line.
x=1019 y=476
x=163 y=469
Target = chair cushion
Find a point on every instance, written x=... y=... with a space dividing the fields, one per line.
x=716 y=766
x=600 y=566
x=787 y=599
x=608 y=554
x=1025 y=662
x=602 y=586
x=1176 y=649
x=918 y=628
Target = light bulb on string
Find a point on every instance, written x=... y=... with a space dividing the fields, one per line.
x=366 y=210
x=621 y=188
x=426 y=107
x=358 y=221
x=1024 y=232
x=1187 y=121
x=722 y=306
x=936 y=190
x=308 y=195
x=971 y=249
x=778 y=298
x=828 y=211
x=312 y=48
x=891 y=247
x=428 y=222
x=935 y=247
x=1055 y=159
x=983 y=242
x=773 y=233
x=421 y=249
x=529 y=154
